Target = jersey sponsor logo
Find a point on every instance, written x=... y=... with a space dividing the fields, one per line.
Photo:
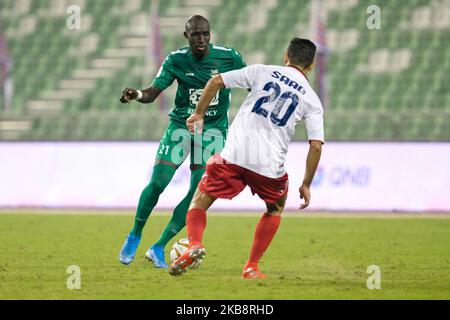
x=208 y=113
x=195 y=94
x=190 y=74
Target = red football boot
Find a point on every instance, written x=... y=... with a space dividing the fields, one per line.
x=253 y=273
x=190 y=259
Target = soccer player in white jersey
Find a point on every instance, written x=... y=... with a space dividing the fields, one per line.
x=280 y=97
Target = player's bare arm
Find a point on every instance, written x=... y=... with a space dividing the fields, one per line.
x=312 y=162
x=213 y=86
x=149 y=95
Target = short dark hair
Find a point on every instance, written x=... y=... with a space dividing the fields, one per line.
x=301 y=52
x=195 y=19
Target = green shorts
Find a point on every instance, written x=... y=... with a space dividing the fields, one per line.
x=178 y=143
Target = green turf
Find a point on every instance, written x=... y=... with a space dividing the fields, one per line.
x=310 y=258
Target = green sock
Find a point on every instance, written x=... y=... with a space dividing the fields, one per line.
x=178 y=220
x=161 y=176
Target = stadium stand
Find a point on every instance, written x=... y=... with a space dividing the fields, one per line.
x=383 y=85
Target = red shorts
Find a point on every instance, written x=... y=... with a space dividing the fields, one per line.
x=226 y=180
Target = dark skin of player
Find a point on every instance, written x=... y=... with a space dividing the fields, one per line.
x=197 y=33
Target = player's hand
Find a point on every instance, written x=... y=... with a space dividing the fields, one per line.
x=304 y=194
x=195 y=124
x=128 y=94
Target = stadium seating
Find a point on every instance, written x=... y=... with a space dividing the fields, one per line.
x=383 y=85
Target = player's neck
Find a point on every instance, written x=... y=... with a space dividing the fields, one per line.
x=200 y=57
x=299 y=68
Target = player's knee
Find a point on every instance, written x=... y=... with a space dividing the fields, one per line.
x=196 y=201
x=156 y=187
x=275 y=209
x=201 y=201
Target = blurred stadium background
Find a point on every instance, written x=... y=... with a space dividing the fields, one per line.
x=67 y=142
x=384 y=85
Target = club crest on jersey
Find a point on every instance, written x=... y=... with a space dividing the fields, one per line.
x=195 y=94
x=214 y=72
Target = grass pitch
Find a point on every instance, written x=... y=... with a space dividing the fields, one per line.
x=310 y=258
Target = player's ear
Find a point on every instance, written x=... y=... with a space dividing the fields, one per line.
x=286 y=58
x=185 y=35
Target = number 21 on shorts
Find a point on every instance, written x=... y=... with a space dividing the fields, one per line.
x=164 y=149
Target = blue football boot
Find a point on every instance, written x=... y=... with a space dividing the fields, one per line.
x=156 y=255
x=129 y=248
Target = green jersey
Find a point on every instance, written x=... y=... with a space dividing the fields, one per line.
x=192 y=76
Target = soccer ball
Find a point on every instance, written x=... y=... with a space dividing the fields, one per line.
x=179 y=248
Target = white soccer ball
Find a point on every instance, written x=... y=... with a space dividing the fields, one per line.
x=180 y=247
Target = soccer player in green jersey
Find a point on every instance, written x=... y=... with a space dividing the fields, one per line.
x=192 y=67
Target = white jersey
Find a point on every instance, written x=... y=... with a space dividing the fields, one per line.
x=280 y=97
